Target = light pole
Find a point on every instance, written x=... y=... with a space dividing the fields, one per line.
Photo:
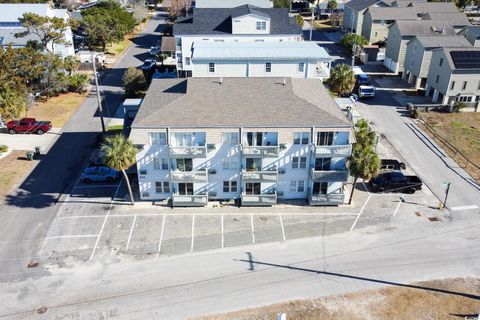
x=311 y=26
x=99 y=100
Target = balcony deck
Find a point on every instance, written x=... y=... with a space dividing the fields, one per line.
x=332 y=199
x=260 y=176
x=260 y=151
x=196 y=200
x=334 y=151
x=198 y=176
x=188 y=152
x=329 y=176
x=259 y=200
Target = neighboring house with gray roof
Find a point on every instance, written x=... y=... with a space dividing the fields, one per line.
x=458 y=20
x=232 y=25
x=377 y=20
x=472 y=34
x=235 y=139
x=402 y=31
x=232 y=3
x=353 y=13
x=454 y=75
x=10 y=25
x=296 y=59
x=418 y=55
x=430 y=7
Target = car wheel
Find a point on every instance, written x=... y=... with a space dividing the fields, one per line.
x=12 y=131
x=411 y=190
x=87 y=180
x=381 y=189
x=109 y=179
x=40 y=131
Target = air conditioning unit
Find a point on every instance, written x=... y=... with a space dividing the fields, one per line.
x=212 y=194
x=212 y=171
x=281 y=171
x=280 y=193
x=143 y=171
x=145 y=195
x=211 y=146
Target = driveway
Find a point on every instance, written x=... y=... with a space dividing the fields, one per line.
x=30 y=141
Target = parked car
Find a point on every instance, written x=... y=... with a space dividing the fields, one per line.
x=29 y=125
x=100 y=174
x=391 y=165
x=155 y=50
x=148 y=65
x=395 y=181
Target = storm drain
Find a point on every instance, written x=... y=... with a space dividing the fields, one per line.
x=42 y=310
x=432 y=219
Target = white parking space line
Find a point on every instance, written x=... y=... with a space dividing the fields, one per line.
x=281 y=224
x=79 y=217
x=131 y=231
x=104 y=222
x=360 y=213
x=73 y=236
x=396 y=209
x=193 y=232
x=253 y=229
x=365 y=186
x=161 y=234
x=223 y=237
x=464 y=208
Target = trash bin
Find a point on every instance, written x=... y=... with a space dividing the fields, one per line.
x=30 y=155
x=37 y=150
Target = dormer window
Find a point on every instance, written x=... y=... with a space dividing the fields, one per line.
x=261 y=25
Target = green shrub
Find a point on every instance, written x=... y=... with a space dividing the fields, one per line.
x=78 y=82
x=458 y=105
x=3 y=148
x=134 y=82
x=299 y=20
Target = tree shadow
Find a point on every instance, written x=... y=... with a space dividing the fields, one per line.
x=251 y=263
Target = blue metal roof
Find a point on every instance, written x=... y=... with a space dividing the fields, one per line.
x=270 y=50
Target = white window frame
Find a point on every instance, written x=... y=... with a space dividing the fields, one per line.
x=301 y=67
x=163 y=186
x=231 y=185
x=230 y=138
x=158 y=138
x=268 y=67
x=297 y=186
x=211 y=67
x=188 y=61
x=164 y=163
x=299 y=162
x=299 y=138
x=230 y=163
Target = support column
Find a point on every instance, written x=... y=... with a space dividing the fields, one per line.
x=435 y=96
x=427 y=88
x=418 y=82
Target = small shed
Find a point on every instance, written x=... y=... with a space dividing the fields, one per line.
x=369 y=53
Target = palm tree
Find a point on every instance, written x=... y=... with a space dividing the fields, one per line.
x=364 y=162
x=120 y=155
x=342 y=79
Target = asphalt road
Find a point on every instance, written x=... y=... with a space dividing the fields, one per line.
x=427 y=160
x=29 y=210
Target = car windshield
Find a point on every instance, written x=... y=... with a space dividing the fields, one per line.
x=367 y=90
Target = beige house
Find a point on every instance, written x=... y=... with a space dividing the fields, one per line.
x=353 y=13
x=402 y=31
x=418 y=55
x=454 y=75
x=377 y=20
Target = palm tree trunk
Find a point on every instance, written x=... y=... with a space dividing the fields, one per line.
x=353 y=189
x=129 y=187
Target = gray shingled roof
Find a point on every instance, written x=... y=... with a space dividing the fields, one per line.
x=455 y=18
x=442 y=41
x=7 y=36
x=256 y=102
x=231 y=3
x=423 y=27
x=359 y=5
x=247 y=9
x=475 y=30
x=392 y=13
x=219 y=21
x=428 y=7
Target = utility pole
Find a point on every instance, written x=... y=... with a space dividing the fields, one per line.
x=99 y=100
x=311 y=26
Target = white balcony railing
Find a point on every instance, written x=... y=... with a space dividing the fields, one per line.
x=188 y=152
x=333 y=151
x=260 y=176
x=326 y=199
x=259 y=199
x=330 y=175
x=196 y=200
x=198 y=176
x=260 y=151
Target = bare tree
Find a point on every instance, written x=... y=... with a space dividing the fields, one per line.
x=180 y=7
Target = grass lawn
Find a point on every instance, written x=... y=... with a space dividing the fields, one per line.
x=57 y=109
x=392 y=303
x=462 y=130
x=118 y=48
x=322 y=24
x=13 y=169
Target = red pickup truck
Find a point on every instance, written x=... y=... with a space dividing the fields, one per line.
x=29 y=125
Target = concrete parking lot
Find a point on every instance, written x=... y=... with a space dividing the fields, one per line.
x=94 y=225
